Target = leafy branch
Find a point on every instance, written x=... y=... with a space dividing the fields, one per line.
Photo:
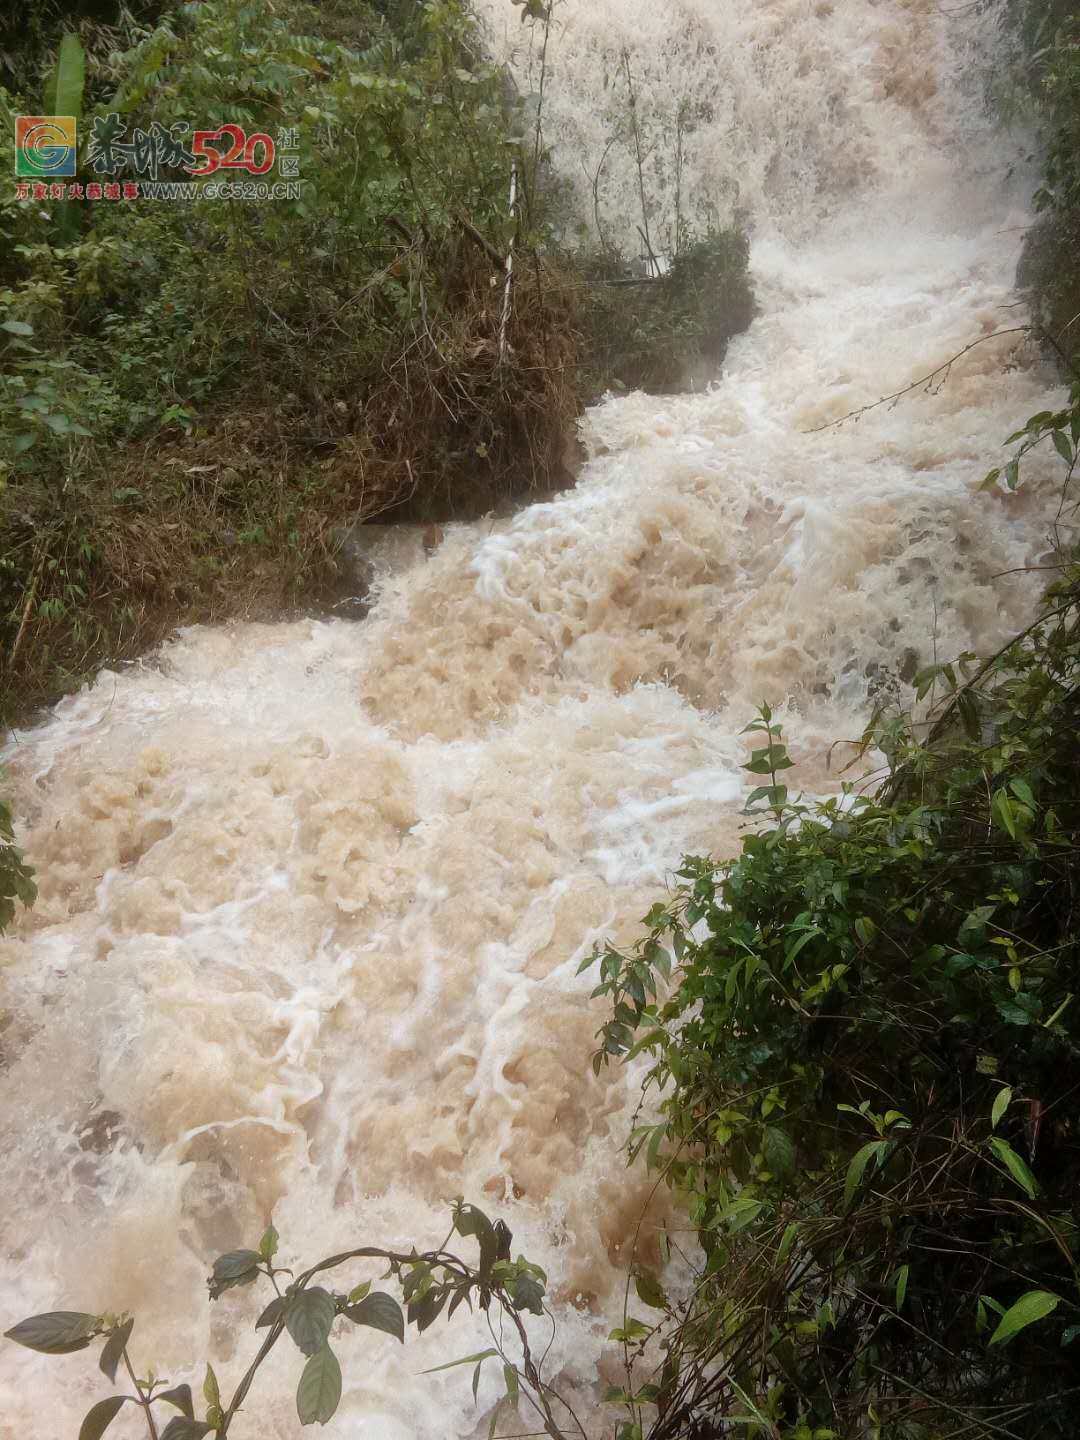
x=431 y=1282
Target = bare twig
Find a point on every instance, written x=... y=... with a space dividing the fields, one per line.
x=926 y=381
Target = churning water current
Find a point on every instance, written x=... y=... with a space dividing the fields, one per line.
x=313 y=895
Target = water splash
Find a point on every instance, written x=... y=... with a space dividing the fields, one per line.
x=313 y=895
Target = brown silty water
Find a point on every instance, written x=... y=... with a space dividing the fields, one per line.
x=313 y=895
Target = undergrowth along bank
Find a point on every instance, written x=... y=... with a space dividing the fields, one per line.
x=196 y=398
x=864 y=1050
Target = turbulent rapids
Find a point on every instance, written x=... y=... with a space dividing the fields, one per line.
x=313 y=895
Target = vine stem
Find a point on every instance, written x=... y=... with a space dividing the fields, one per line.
x=368 y=1252
x=143 y=1398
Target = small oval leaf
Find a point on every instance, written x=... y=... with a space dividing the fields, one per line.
x=210 y=1388
x=650 y=1291
x=381 y=1312
x=271 y=1313
x=183 y=1429
x=309 y=1316
x=236 y=1264
x=113 y=1350
x=58 y=1332
x=319 y=1391
x=180 y=1396
x=1001 y=1104
x=100 y=1416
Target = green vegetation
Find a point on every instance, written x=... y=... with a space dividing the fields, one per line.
x=868 y=1060
x=863 y=1042
x=1045 y=89
x=430 y=1282
x=865 y=1055
x=16 y=877
x=195 y=396
x=671 y=333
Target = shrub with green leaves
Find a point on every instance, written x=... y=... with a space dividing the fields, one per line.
x=864 y=1039
x=432 y=1282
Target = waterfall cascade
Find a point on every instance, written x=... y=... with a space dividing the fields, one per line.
x=313 y=895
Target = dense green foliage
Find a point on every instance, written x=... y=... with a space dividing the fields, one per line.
x=870 y=1058
x=1046 y=90
x=193 y=393
x=865 y=1061
x=196 y=396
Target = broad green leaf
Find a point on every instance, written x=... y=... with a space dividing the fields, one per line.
x=238 y=1267
x=742 y=1213
x=113 y=1350
x=1035 y=1305
x=792 y=951
x=100 y=1416
x=1002 y=810
x=64 y=87
x=647 y=1042
x=1063 y=446
x=17 y=327
x=779 y=1151
x=633 y=1330
x=319 y=1391
x=309 y=1317
x=1001 y=1104
x=381 y=1312
x=527 y=1294
x=58 y=1332
x=510 y=1376
x=1017 y=1168
x=865 y=929
x=788 y=1239
x=471 y=1220
x=1023 y=792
